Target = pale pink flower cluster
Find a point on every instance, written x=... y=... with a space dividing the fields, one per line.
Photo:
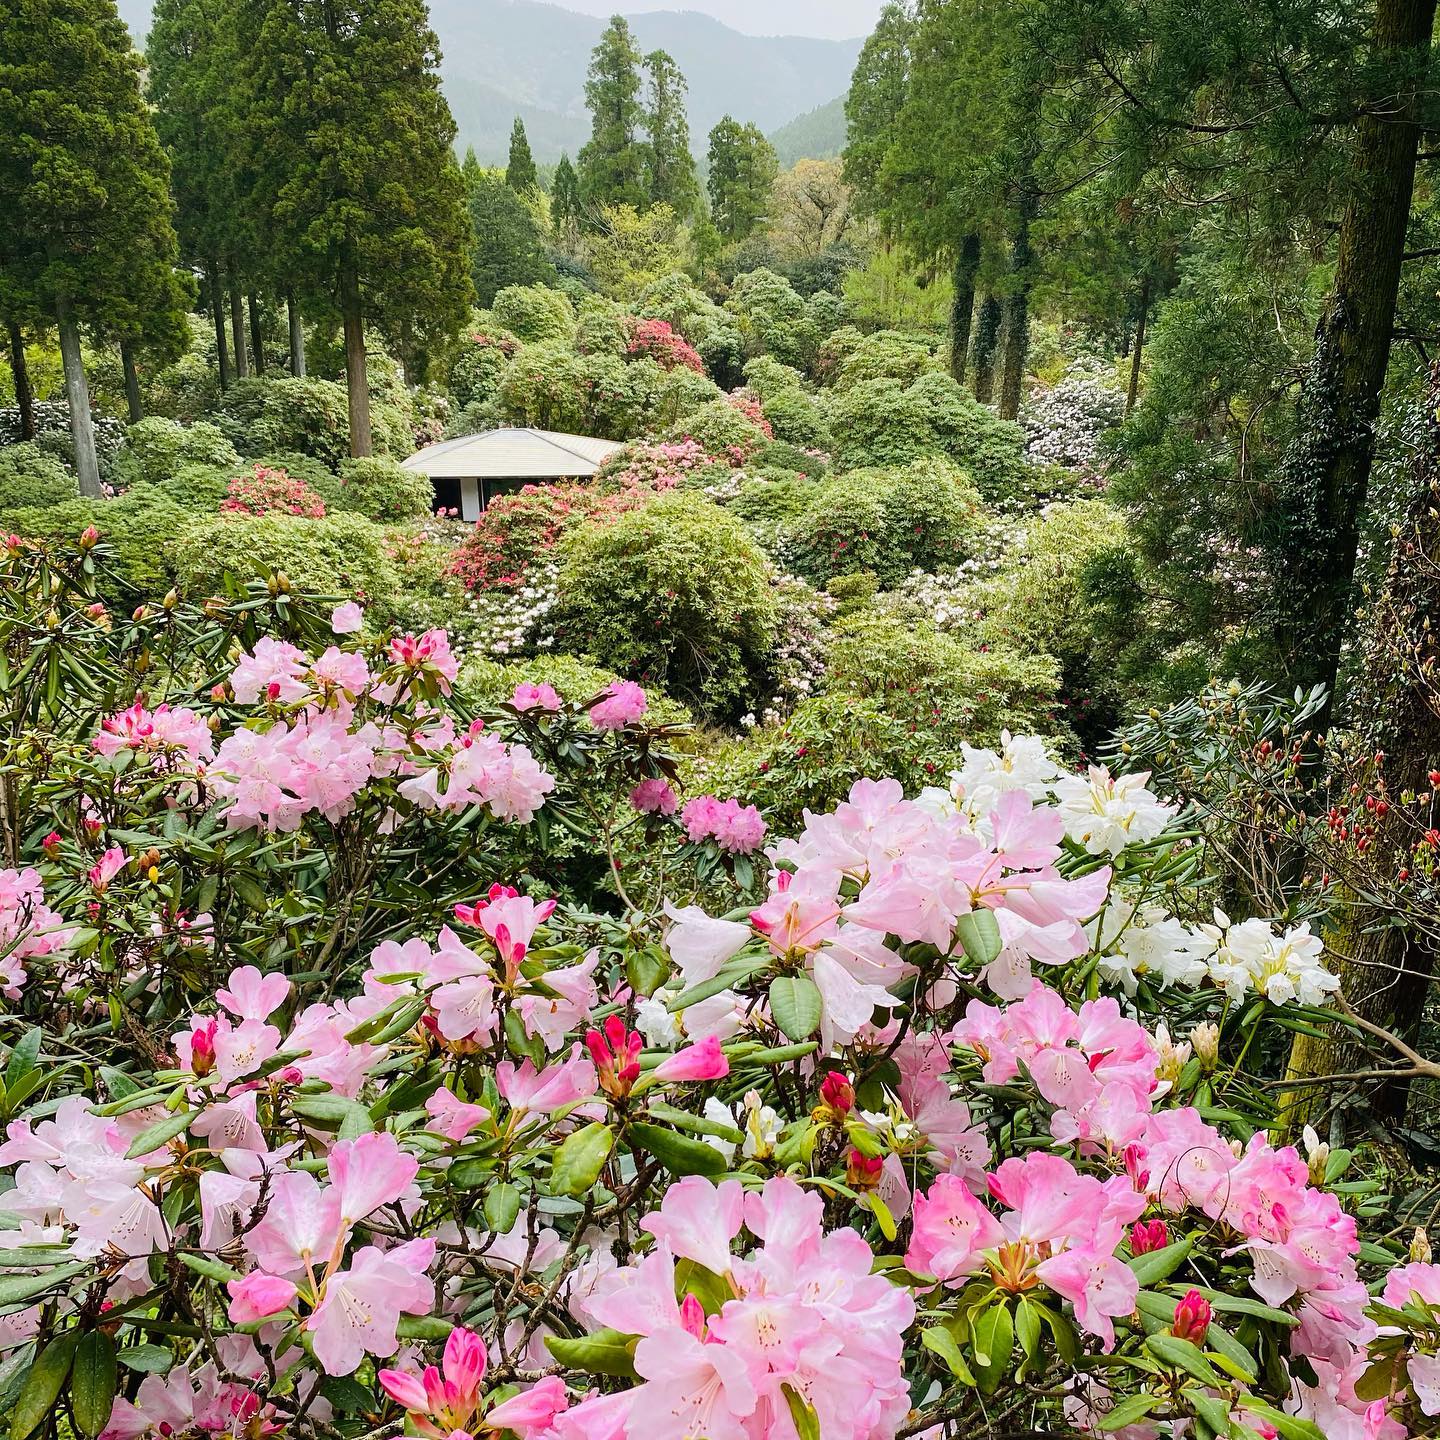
x=156 y=733
x=735 y=828
x=529 y=696
x=29 y=929
x=621 y=705
x=805 y=1313
x=274 y=778
x=653 y=797
x=181 y=1403
x=482 y=769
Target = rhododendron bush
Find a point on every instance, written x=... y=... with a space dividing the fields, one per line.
x=335 y=1108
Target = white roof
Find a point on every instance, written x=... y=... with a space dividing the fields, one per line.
x=522 y=454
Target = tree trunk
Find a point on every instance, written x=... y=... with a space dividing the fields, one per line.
x=1133 y=393
x=357 y=383
x=297 y=338
x=257 y=341
x=237 y=332
x=77 y=394
x=132 y=381
x=24 y=395
x=987 y=339
x=1017 y=315
x=1327 y=472
x=1387 y=968
x=962 y=305
x=217 y=309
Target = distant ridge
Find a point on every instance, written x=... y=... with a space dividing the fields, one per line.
x=504 y=58
x=818 y=134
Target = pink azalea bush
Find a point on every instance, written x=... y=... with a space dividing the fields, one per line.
x=386 y=1130
x=269 y=490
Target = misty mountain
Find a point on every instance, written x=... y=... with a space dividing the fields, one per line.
x=504 y=58
x=818 y=134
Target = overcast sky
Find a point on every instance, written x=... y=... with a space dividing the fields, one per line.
x=833 y=19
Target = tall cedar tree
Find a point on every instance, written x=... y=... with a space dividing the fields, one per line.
x=190 y=74
x=509 y=248
x=669 y=165
x=355 y=177
x=612 y=162
x=520 y=174
x=742 y=172
x=566 y=206
x=86 y=220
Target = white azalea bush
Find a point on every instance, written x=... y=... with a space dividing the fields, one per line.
x=327 y=1114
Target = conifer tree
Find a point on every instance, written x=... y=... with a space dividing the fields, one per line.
x=566 y=207
x=742 y=171
x=520 y=174
x=611 y=168
x=349 y=142
x=86 y=227
x=509 y=248
x=669 y=165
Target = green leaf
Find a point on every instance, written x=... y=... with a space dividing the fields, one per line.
x=802 y=1413
x=993 y=1332
x=501 y=1207
x=331 y=1110
x=1128 y=1411
x=424 y=1327
x=147 y=1359
x=580 y=1159
x=795 y=1003
x=941 y=1342
x=22 y=1057
x=1214 y=1411
x=210 y=1269
x=678 y=1153
x=1290 y=1427
x=881 y=1211
x=22 y=1287
x=347 y=1395
x=92 y=1383
x=1242 y=1305
x=979 y=935
x=1156 y=1265
x=601 y=1352
x=646 y=970
x=43 y=1385
x=1180 y=1354
x=162 y=1132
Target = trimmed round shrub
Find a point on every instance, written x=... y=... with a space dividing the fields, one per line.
x=378 y=488
x=479 y=363
x=881 y=422
x=886 y=355
x=340 y=555
x=302 y=467
x=675 y=594
x=534 y=312
x=286 y=413
x=797 y=419
x=773 y=319
x=65 y=520
x=603 y=327
x=887 y=521
x=29 y=477
x=264 y=491
x=191 y=487
x=781 y=455
x=156 y=448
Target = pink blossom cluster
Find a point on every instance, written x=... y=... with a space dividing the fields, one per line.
x=656 y=340
x=653 y=796
x=266 y=490
x=621 y=705
x=803 y=1312
x=28 y=927
x=156 y=733
x=735 y=828
x=481 y=769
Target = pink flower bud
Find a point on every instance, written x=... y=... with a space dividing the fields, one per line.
x=1148 y=1235
x=1192 y=1318
x=705 y=1061
x=258 y=1295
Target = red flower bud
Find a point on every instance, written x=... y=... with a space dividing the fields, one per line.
x=1148 y=1235
x=837 y=1092
x=862 y=1172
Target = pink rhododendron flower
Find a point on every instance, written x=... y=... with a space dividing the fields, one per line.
x=653 y=797
x=621 y=705
x=362 y=1304
x=163 y=731
x=529 y=696
x=704 y=1061
x=951 y=1229
x=735 y=828
x=258 y=1296
x=346 y=618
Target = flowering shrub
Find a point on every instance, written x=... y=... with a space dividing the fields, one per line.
x=657 y=341
x=324 y=1118
x=1064 y=422
x=264 y=491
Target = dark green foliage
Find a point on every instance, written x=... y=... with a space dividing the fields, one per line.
x=796 y=419
x=30 y=477
x=675 y=594
x=773 y=319
x=520 y=173
x=886 y=355
x=479 y=363
x=742 y=170
x=611 y=169
x=566 y=206
x=509 y=246
x=884 y=522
